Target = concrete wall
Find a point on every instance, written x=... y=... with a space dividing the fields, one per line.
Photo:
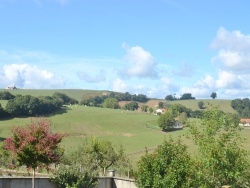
x=24 y=182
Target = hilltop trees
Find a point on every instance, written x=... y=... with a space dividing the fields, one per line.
x=242 y=106
x=34 y=145
x=213 y=95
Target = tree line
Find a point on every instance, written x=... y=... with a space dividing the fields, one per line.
x=27 y=105
x=242 y=106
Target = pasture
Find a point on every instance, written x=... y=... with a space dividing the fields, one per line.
x=135 y=130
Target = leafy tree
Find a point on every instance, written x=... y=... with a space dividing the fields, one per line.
x=242 y=106
x=182 y=118
x=170 y=98
x=139 y=98
x=169 y=166
x=150 y=110
x=222 y=159
x=131 y=106
x=6 y=95
x=186 y=96
x=176 y=109
x=66 y=99
x=111 y=103
x=166 y=121
x=160 y=104
x=213 y=95
x=34 y=145
x=201 y=104
x=144 y=108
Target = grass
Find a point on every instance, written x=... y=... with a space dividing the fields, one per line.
x=77 y=94
x=134 y=130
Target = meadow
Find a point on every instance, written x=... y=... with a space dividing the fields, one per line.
x=134 y=130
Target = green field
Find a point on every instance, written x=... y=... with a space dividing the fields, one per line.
x=74 y=93
x=134 y=130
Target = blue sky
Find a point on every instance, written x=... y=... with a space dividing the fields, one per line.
x=153 y=47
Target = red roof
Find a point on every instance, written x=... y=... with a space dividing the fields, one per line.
x=245 y=120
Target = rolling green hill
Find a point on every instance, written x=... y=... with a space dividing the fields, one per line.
x=131 y=129
x=77 y=94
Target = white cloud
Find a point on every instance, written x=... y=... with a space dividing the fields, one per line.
x=233 y=61
x=120 y=86
x=202 y=88
x=141 y=63
x=228 y=80
x=234 y=50
x=26 y=76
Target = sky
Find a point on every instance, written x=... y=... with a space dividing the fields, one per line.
x=151 y=47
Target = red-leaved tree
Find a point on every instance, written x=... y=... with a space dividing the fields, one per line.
x=34 y=145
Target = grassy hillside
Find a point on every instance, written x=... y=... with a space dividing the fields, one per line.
x=74 y=93
x=224 y=105
x=134 y=130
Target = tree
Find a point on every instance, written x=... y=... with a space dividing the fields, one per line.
x=187 y=96
x=34 y=145
x=169 y=166
x=222 y=161
x=170 y=97
x=144 y=108
x=160 y=104
x=201 y=104
x=150 y=110
x=131 y=106
x=111 y=103
x=6 y=95
x=166 y=121
x=213 y=95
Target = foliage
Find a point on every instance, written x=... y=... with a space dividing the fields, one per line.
x=131 y=106
x=177 y=109
x=96 y=155
x=111 y=103
x=242 y=106
x=201 y=105
x=30 y=106
x=186 y=96
x=34 y=145
x=6 y=95
x=182 y=118
x=3 y=113
x=160 y=105
x=169 y=166
x=139 y=98
x=170 y=97
x=72 y=175
x=196 y=114
x=66 y=99
x=144 y=108
x=166 y=121
x=150 y=110
x=213 y=95
x=222 y=159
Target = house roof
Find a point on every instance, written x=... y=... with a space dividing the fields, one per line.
x=245 y=120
